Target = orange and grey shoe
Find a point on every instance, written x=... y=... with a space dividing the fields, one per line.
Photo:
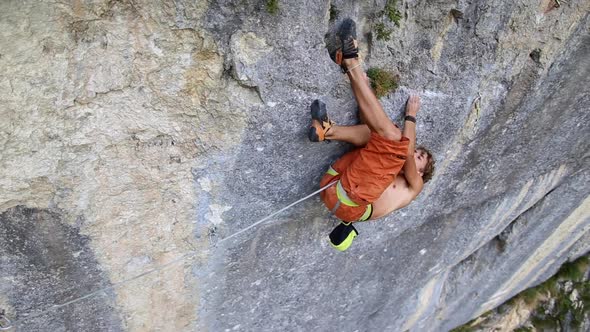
x=320 y=123
x=349 y=46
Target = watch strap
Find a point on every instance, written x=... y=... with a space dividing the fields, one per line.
x=410 y=118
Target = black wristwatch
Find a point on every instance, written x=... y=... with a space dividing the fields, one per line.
x=410 y=118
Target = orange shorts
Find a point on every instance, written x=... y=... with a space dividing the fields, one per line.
x=365 y=173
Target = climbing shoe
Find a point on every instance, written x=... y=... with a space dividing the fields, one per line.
x=349 y=46
x=320 y=123
x=341 y=237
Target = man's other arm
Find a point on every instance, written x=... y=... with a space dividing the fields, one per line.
x=410 y=170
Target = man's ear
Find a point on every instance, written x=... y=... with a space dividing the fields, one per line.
x=421 y=172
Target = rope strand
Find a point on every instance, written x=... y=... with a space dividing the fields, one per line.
x=279 y=211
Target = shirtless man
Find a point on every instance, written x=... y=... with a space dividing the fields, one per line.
x=387 y=171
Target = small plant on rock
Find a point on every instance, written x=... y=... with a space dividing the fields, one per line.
x=392 y=13
x=382 y=32
x=334 y=12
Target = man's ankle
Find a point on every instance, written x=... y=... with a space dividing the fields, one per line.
x=350 y=62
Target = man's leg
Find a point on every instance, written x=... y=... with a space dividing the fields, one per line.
x=361 y=113
x=358 y=135
x=371 y=110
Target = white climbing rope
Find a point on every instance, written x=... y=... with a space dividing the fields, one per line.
x=5 y=323
x=279 y=211
x=10 y=325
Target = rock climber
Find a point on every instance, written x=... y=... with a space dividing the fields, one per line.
x=386 y=171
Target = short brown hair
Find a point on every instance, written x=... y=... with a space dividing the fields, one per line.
x=428 y=171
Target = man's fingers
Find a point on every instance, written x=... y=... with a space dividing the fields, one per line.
x=413 y=104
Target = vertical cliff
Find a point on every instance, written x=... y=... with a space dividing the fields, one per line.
x=136 y=135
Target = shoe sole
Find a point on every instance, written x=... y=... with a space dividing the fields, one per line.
x=347 y=28
x=319 y=111
x=346 y=32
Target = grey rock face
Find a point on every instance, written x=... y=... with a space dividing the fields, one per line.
x=157 y=129
x=45 y=262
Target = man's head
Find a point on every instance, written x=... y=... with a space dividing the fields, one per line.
x=424 y=163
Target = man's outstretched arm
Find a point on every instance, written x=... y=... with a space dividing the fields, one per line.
x=411 y=172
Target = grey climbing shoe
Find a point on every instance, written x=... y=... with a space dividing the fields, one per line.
x=320 y=123
x=349 y=46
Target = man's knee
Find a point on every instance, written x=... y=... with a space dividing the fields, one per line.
x=392 y=136
x=390 y=132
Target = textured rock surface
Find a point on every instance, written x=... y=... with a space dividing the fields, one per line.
x=45 y=261
x=558 y=303
x=149 y=130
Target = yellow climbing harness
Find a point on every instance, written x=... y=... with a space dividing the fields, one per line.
x=344 y=199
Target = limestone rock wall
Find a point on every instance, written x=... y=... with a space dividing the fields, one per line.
x=136 y=135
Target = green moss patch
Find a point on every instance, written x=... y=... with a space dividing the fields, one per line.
x=382 y=81
x=272 y=6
